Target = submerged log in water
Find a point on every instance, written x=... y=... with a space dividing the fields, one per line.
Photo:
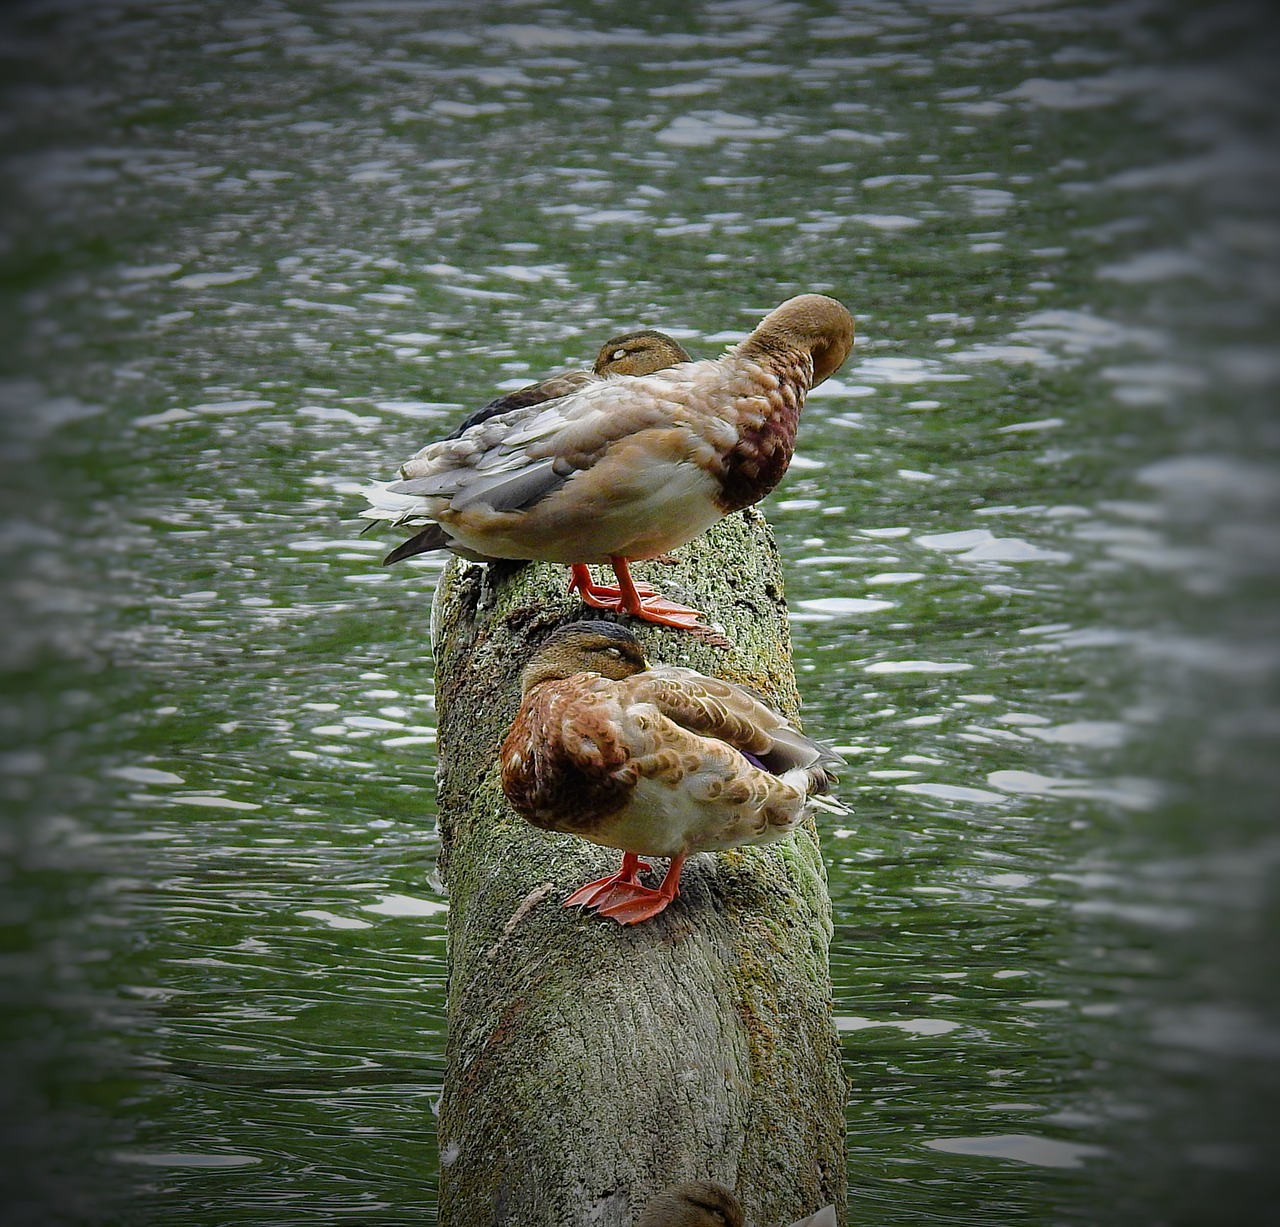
x=589 y=1065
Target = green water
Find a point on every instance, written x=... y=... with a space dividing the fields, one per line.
x=256 y=254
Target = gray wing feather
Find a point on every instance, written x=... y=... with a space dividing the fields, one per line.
x=511 y=491
x=433 y=537
x=433 y=486
x=791 y=748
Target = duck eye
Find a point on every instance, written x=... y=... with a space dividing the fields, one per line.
x=616 y=653
x=617 y=355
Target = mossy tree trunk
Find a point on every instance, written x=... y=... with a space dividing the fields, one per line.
x=588 y=1064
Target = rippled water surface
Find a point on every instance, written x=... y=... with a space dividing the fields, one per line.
x=258 y=253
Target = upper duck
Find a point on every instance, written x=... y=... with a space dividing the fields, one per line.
x=704 y=1203
x=624 y=467
x=655 y=761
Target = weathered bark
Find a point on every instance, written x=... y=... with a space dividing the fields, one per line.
x=589 y=1065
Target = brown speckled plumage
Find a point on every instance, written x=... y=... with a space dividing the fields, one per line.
x=567 y=780
x=756 y=463
x=655 y=761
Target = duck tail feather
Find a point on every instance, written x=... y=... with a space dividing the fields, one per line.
x=432 y=537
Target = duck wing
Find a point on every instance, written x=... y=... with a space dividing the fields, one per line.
x=551 y=388
x=513 y=460
x=712 y=707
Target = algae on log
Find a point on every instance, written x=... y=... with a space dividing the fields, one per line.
x=589 y=1065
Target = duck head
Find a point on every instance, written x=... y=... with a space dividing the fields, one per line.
x=584 y=647
x=811 y=322
x=696 y=1203
x=639 y=353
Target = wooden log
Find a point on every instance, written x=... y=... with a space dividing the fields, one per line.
x=589 y=1065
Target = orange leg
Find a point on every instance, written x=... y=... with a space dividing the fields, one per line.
x=629 y=904
x=593 y=894
x=639 y=600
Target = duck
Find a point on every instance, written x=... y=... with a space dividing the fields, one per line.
x=704 y=1203
x=633 y=353
x=623 y=467
x=653 y=760
x=694 y=1203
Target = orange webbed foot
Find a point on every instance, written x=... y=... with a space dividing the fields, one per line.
x=659 y=610
x=639 y=600
x=597 y=894
x=629 y=905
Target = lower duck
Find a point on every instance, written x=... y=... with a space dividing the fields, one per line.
x=704 y=1203
x=655 y=761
